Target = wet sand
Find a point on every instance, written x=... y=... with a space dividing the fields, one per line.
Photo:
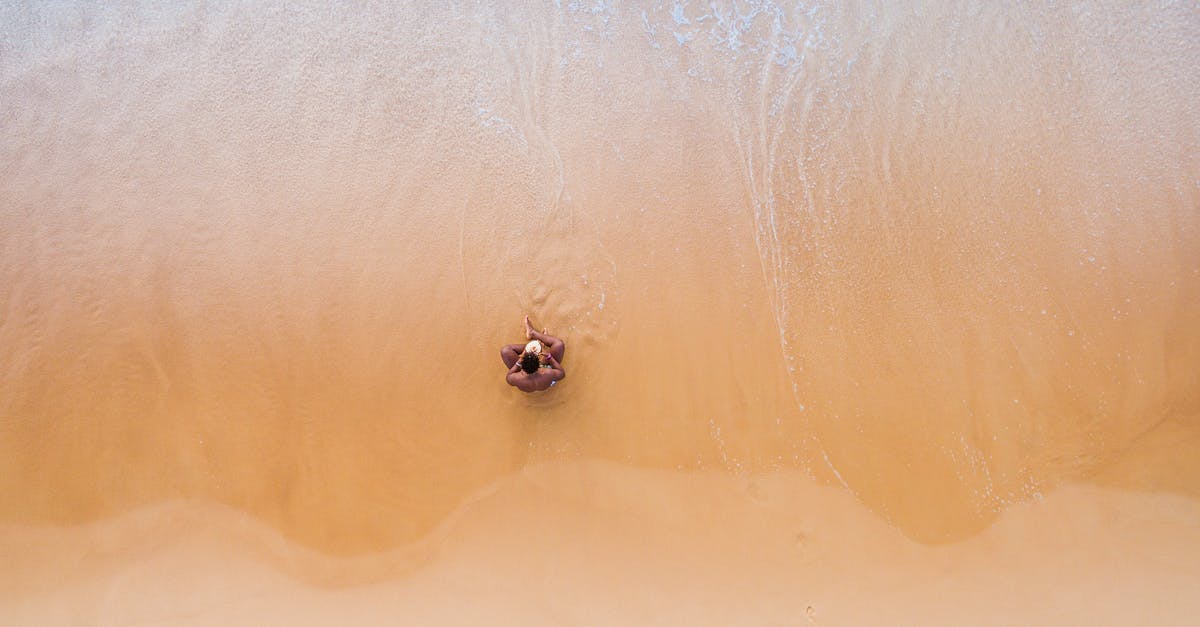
x=893 y=313
x=599 y=543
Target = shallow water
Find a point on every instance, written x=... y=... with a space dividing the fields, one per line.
x=944 y=258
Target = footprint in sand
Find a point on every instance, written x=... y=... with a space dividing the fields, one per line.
x=755 y=492
x=800 y=541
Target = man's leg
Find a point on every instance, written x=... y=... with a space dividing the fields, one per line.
x=511 y=353
x=557 y=346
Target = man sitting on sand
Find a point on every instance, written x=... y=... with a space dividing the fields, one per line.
x=534 y=366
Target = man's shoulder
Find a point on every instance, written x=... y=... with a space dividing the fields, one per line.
x=524 y=382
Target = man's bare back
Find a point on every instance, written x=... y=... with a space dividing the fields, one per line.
x=534 y=366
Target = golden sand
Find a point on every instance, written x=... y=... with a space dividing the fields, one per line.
x=873 y=315
x=601 y=543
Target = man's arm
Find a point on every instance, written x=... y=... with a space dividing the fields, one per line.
x=556 y=370
x=512 y=372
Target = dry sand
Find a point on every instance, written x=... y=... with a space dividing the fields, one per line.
x=600 y=543
x=874 y=315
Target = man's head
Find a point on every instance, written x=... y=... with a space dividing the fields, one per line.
x=530 y=362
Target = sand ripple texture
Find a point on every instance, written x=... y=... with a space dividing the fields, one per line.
x=943 y=257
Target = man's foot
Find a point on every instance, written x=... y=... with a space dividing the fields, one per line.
x=528 y=329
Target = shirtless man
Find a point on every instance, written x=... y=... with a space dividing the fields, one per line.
x=534 y=366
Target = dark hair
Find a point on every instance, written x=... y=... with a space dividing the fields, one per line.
x=530 y=363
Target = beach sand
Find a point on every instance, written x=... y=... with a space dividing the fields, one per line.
x=873 y=315
x=600 y=543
